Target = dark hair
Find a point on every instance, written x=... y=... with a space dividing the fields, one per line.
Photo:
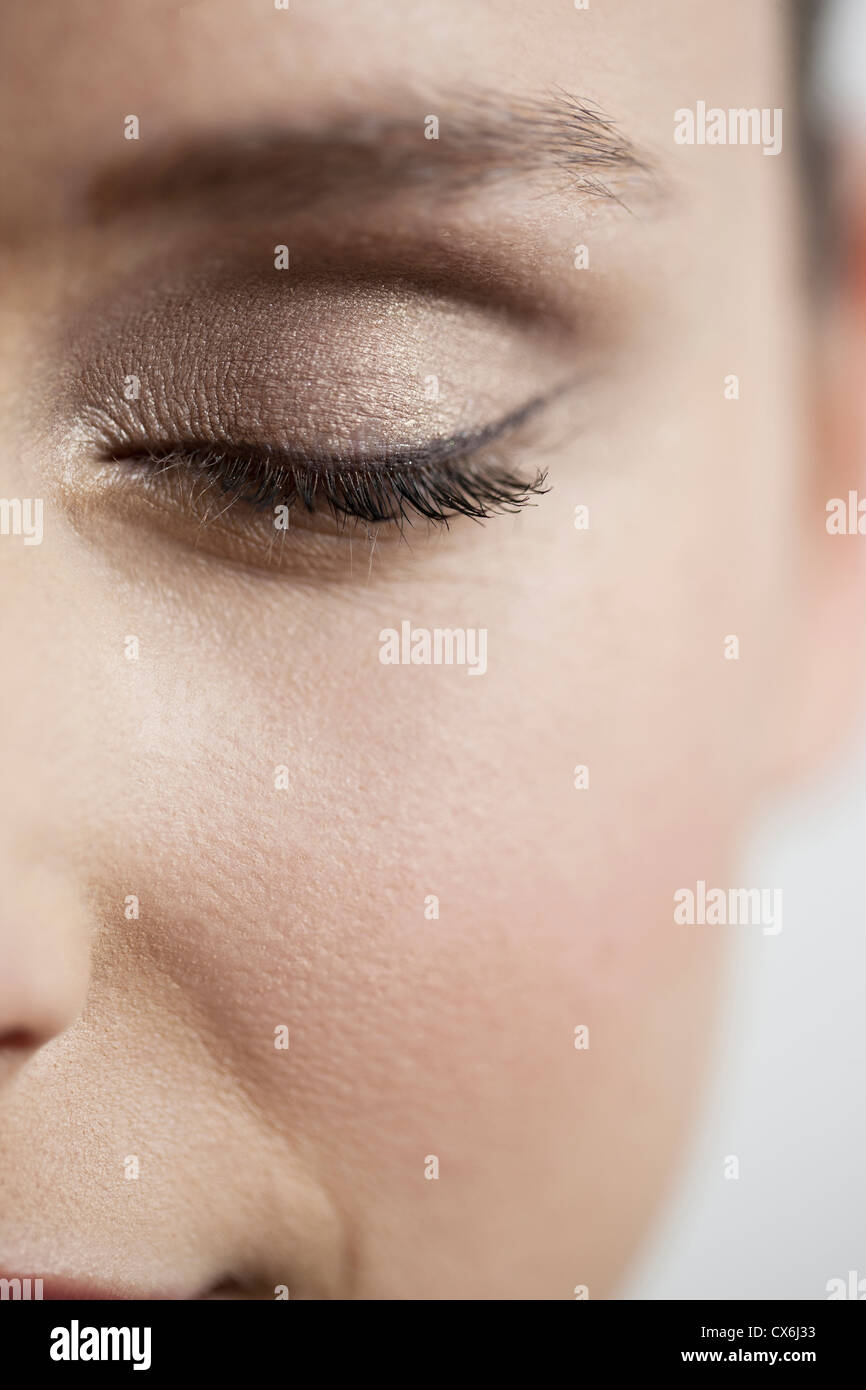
x=811 y=138
x=806 y=14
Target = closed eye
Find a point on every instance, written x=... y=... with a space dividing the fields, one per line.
x=446 y=477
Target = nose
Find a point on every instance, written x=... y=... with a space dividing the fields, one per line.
x=44 y=961
x=45 y=931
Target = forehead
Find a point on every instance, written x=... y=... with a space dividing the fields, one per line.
x=73 y=72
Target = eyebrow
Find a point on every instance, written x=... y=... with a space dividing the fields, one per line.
x=362 y=157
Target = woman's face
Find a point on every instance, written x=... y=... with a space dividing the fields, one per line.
x=230 y=820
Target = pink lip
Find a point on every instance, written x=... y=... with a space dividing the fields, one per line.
x=59 y=1288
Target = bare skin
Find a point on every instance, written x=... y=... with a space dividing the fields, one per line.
x=149 y=771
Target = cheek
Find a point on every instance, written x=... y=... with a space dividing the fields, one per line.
x=394 y=864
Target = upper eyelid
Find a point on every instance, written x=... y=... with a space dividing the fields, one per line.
x=439 y=449
x=443 y=478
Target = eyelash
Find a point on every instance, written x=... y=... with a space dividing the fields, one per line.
x=431 y=483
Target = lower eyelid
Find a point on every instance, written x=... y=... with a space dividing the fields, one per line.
x=150 y=524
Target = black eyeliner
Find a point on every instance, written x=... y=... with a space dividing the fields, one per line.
x=437 y=480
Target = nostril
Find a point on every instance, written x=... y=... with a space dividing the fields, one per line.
x=18 y=1040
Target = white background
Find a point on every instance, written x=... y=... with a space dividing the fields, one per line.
x=787 y=1098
